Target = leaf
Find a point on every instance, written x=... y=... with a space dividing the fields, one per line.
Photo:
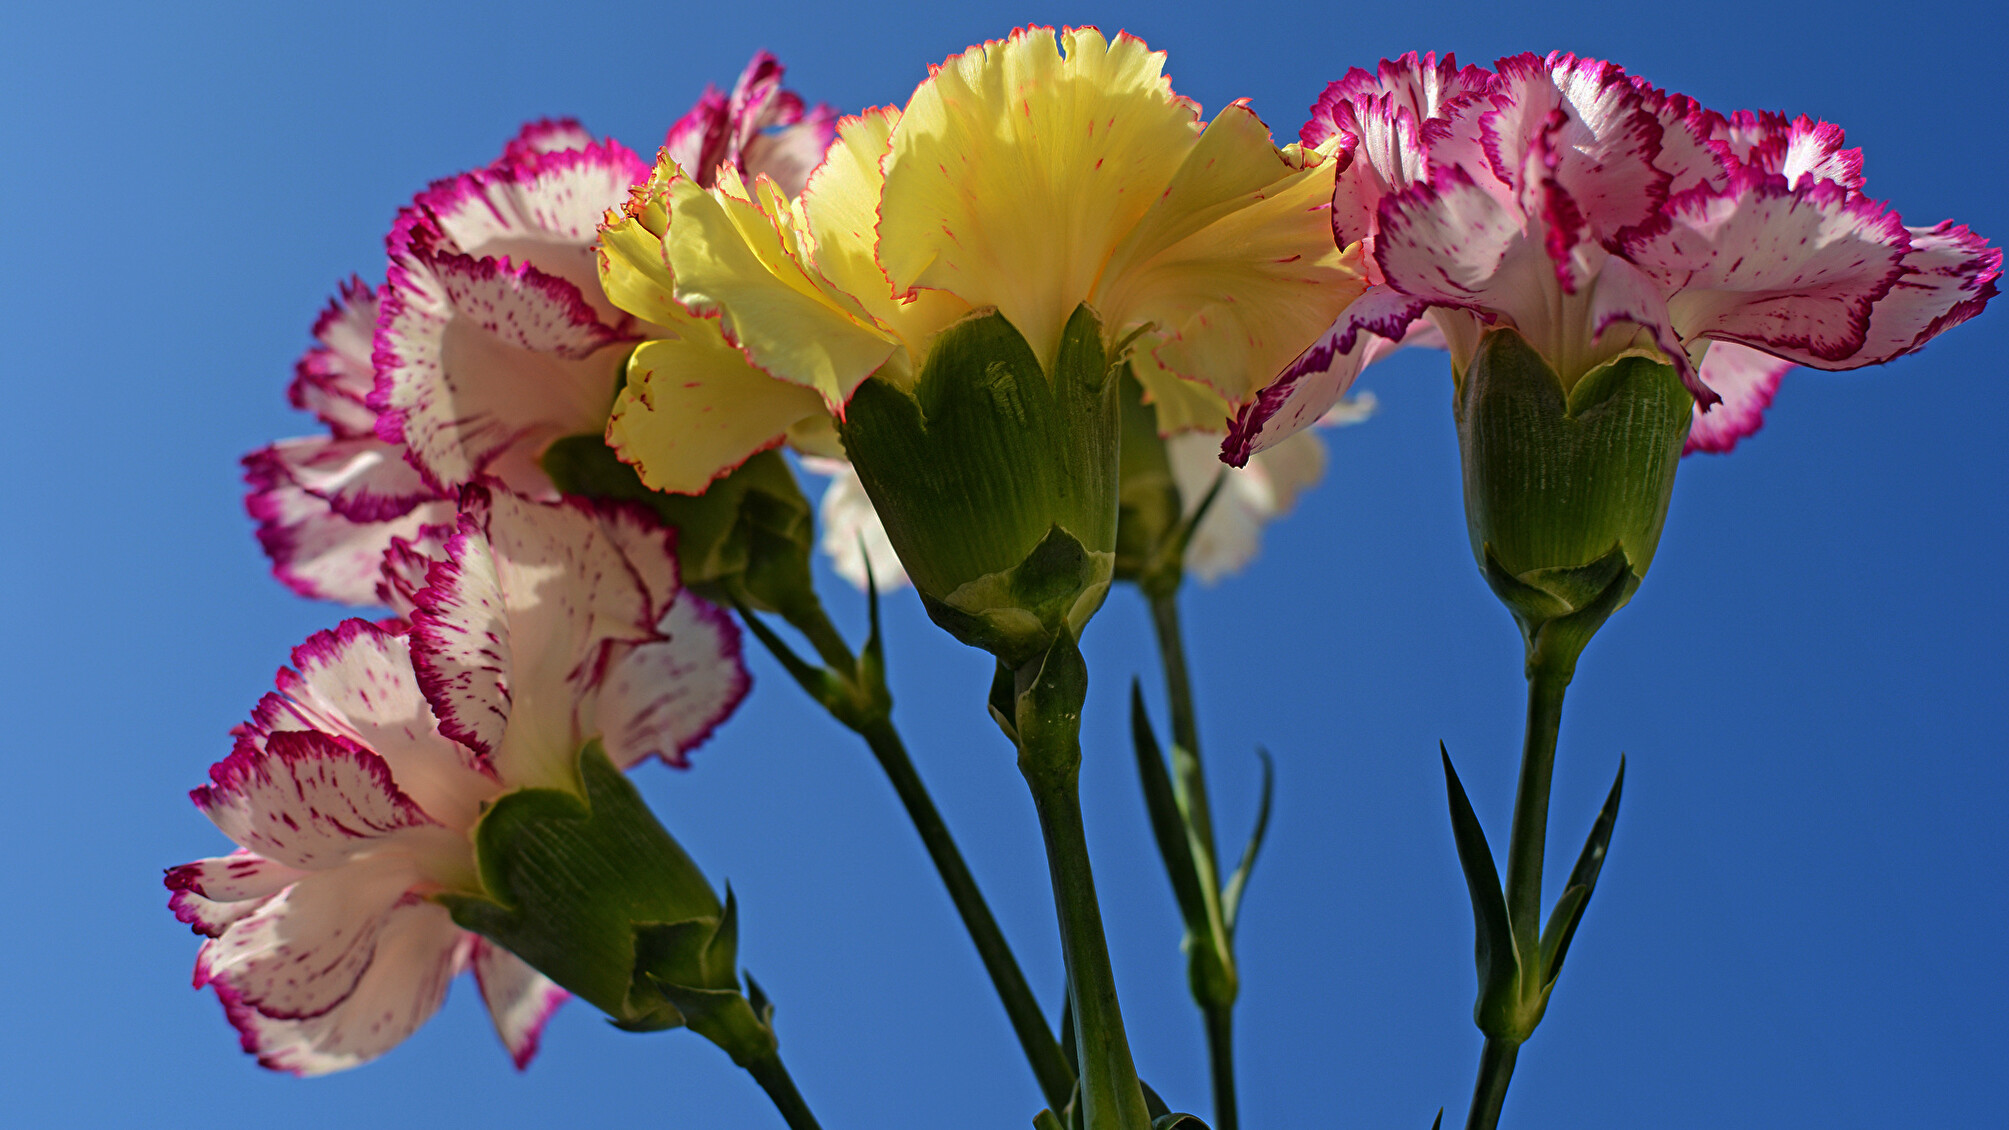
x=1168 y=824
x=1568 y=913
x=1494 y=947
x=1231 y=896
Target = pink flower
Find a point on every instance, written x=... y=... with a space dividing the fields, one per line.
x=1599 y=216
x=353 y=788
x=491 y=338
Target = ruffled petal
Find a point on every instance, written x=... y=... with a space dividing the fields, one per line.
x=693 y=410
x=1016 y=172
x=1234 y=263
x=303 y=951
x=1746 y=380
x=664 y=699
x=546 y=135
x=357 y=682
x=362 y=479
x=852 y=533
x=416 y=952
x=334 y=379
x=516 y=632
x=1794 y=272
x=1948 y=276
x=210 y=894
x=1766 y=142
x=461 y=645
x=315 y=551
x=520 y=1000
x=310 y=800
x=738 y=259
x=1368 y=330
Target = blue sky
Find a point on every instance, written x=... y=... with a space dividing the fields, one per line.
x=1801 y=921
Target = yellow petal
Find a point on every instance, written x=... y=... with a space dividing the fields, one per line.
x=1182 y=405
x=840 y=213
x=633 y=272
x=1235 y=264
x=734 y=257
x=1015 y=172
x=693 y=410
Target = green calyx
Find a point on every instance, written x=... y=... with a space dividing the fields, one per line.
x=997 y=481
x=746 y=540
x=1566 y=492
x=590 y=890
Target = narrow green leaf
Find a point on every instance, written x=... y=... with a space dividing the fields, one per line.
x=1047 y=1120
x=1231 y=897
x=1439 y=1124
x=1563 y=921
x=1494 y=947
x=1178 y=1122
x=1168 y=826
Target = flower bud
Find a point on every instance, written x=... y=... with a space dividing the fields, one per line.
x=1566 y=491
x=997 y=480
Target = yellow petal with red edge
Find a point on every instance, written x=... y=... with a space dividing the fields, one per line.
x=735 y=256
x=1015 y=172
x=839 y=211
x=1182 y=405
x=1235 y=265
x=633 y=272
x=693 y=410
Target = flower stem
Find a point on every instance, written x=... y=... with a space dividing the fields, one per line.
x=1111 y=1097
x=1221 y=1059
x=1549 y=675
x=1496 y=1067
x=1215 y=948
x=774 y=1079
x=1042 y=1052
x=868 y=711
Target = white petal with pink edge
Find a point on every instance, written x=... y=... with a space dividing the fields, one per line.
x=210 y=894
x=334 y=379
x=1372 y=327
x=1746 y=380
x=520 y=1000
x=357 y=682
x=315 y=551
x=310 y=800
x=664 y=699
x=416 y=952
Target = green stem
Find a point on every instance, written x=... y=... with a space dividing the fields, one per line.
x=1221 y=1059
x=875 y=725
x=773 y=1078
x=1042 y=1051
x=1549 y=676
x=1546 y=682
x=1111 y=1097
x=1217 y=1006
x=1496 y=1067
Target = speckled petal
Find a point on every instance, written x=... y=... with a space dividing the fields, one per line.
x=693 y=410
x=664 y=699
x=520 y=1000
x=1746 y=380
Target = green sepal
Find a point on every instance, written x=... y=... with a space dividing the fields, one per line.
x=1148 y=503
x=746 y=540
x=1493 y=947
x=1558 y=610
x=1238 y=882
x=1558 y=480
x=1569 y=910
x=1003 y=701
x=572 y=879
x=979 y=466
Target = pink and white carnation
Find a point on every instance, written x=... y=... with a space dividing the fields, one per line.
x=491 y=338
x=1601 y=217
x=352 y=791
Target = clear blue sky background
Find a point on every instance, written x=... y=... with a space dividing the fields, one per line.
x=1801 y=923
